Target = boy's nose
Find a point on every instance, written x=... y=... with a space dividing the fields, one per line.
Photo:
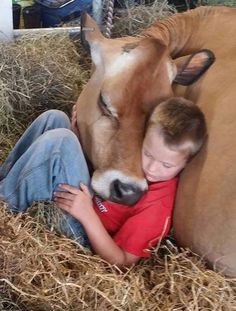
x=152 y=167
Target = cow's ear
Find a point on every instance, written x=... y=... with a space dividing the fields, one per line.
x=191 y=67
x=89 y=32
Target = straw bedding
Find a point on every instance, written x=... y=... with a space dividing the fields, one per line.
x=40 y=270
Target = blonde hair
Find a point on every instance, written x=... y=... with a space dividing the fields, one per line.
x=181 y=124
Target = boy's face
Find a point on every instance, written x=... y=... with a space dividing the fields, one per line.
x=159 y=162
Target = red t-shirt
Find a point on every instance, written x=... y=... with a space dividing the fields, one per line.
x=138 y=227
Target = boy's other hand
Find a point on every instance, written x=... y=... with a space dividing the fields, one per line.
x=75 y=201
x=74 y=125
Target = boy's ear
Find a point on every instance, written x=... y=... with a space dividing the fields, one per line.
x=191 y=67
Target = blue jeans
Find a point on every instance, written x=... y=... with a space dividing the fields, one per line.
x=48 y=153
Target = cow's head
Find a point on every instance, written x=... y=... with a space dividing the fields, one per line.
x=130 y=77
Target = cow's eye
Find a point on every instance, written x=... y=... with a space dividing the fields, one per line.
x=103 y=106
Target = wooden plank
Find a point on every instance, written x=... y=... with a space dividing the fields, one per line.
x=42 y=31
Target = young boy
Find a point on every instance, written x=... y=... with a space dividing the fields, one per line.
x=48 y=155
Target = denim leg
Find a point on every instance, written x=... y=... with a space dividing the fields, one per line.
x=54 y=157
x=48 y=120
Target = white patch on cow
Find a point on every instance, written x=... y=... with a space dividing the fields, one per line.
x=120 y=62
x=101 y=183
x=171 y=71
x=96 y=54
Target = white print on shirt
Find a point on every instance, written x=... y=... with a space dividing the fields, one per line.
x=99 y=204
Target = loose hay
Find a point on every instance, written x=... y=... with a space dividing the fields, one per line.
x=40 y=270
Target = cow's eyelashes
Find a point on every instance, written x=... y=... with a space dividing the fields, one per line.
x=103 y=106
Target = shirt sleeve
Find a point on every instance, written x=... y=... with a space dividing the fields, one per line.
x=142 y=231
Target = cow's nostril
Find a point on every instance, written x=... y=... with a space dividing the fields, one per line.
x=124 y=193
x=117 y=189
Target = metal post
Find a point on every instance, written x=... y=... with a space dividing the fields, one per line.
x=6 y=20
x=97 y=11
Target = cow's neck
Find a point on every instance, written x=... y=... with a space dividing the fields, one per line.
x=186 y=32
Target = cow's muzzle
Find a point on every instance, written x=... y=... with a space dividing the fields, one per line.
x=124 y=193
x=114 y=185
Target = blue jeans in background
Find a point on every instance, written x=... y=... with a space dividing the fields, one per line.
x=48 y=153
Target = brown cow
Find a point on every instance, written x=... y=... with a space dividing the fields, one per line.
x=133 y=75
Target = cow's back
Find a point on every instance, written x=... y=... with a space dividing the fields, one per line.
x=205 y=211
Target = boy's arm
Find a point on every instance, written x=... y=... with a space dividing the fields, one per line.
x=79 y=204
x=103 y=244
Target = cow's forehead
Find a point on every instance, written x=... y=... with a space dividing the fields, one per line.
x=118 y=56
x=114 y=59
x=129 y=74
x=122 y=61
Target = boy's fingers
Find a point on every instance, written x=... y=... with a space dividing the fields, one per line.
x=74 y=115
x=73 y=124
x=73 y=119
x=85 y=189
x=65 y=195
x=73 y=108
x=69 y=188
x=61 y=204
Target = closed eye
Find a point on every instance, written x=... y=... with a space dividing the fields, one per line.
x=103 y=106
x=167 y=165
x=147 y=154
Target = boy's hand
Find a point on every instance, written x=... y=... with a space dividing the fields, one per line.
x=75 y=201
x=74 y=125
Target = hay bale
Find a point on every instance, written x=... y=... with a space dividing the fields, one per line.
x=38 y=73
x=133 y=19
